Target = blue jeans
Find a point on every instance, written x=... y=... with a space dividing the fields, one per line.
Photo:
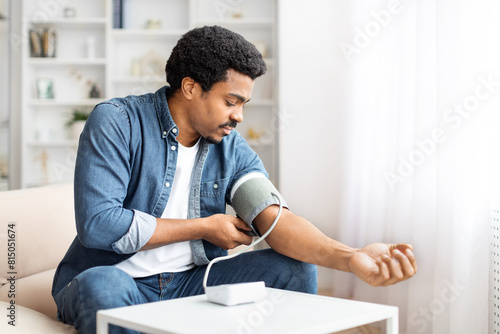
x=108 y=287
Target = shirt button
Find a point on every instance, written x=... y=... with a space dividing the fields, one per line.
x=164 y=133
x=216 y=186
x=174 y=130
x=167 y=184
x=172 y=148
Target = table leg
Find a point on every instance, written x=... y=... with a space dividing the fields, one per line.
x=392 y=324
x=101 y=324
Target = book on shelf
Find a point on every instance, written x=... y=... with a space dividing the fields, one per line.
x=117 y=14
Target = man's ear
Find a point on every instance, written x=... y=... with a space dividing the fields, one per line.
x=188 y=87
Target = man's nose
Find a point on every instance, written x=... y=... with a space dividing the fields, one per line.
x=237 y=115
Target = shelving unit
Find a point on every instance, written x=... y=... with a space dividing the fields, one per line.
x=4 y=96
x=125 y=61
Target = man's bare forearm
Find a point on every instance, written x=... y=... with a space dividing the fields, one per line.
x=297 y=238
x=175 y=230
x=377 y=264
x=222 y=230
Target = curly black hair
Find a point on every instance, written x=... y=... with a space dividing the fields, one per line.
x=205 y=54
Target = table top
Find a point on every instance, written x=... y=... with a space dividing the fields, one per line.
x=281 y=312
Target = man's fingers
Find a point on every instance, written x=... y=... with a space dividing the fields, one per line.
x=243 y=239
x=241 y=225
x=406 y=260
x=401 y=247
x=413 y=262
x=395 y=271
x=401 y=266
x=384 y=270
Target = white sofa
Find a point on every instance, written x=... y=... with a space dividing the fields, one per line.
x=44 y=229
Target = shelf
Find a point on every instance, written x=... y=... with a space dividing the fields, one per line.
x=128 y=33
x=66 y=61
x=62 y=103
x=67 y=22
x=258 y=144
x=260 y=103
x=53 y=143
x=138 y=78
x=44 y=182
x=243 y=23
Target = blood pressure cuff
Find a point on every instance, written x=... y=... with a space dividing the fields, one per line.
x=251 y=194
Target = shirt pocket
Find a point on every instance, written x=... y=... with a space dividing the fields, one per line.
x=213 y=196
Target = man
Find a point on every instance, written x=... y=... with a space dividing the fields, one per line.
x=152 y=179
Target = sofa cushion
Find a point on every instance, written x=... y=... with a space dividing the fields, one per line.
x=29 y=321
x=34 y=292
x=44 y=228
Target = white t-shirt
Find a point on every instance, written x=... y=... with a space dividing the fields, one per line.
x=178 y=256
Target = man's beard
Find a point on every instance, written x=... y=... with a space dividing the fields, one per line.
x=212 y=140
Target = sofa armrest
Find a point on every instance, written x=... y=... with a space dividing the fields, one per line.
x=44 y=226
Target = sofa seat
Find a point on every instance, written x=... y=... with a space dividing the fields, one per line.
x=33 y=292
x=29 y=321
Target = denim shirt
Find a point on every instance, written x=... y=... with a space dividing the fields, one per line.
x=124 y=170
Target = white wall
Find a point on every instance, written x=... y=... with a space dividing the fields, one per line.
x=312 y=93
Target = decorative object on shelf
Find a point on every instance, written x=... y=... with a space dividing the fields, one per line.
x=35 y=42
x=153 y=24
x=4 y=167
x=152 y=64
x=135 y=69
x=42 y=42
x=45 y=88
x=237 y=14
x=49 y=43
x=94 y=91
x=69 y=12
x=77 y=121
x=261 y=47
x=261 y=138
x=254 y=134
x=88 y=87
x=44 y=159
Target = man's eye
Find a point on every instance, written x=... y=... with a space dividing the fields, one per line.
x=230 y=104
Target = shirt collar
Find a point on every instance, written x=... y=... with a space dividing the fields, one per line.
x=165 y=120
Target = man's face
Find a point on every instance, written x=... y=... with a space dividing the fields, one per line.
x=219 y=110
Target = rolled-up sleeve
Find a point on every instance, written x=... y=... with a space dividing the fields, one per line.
x=139 y=233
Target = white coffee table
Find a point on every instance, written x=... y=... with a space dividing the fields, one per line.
x=281 y=312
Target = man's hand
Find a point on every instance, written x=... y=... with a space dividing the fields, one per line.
x=225 y=231
x=383 y=264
